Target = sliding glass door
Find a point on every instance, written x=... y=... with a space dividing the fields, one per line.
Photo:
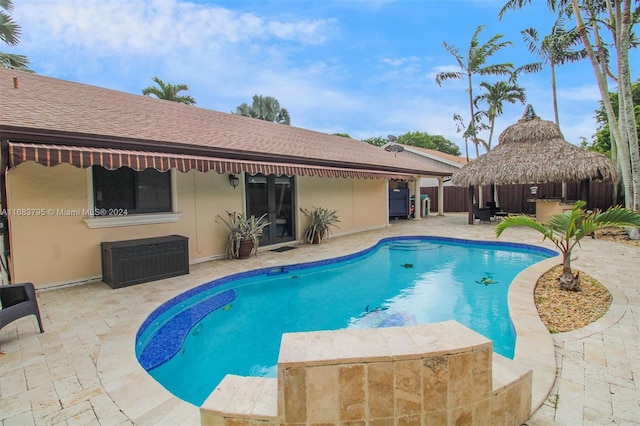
x=273 y=195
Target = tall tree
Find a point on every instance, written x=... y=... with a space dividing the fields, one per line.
x=420 y=139
x=425 y=140
x=554 y=49
x=495 y=95
x=601 y=140
x=376 y=141
x=169 y=92
x=475 y=64
x=593 y=18
x=265 y=108
x=10 y=35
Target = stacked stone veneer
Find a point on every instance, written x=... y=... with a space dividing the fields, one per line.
x=437 y=374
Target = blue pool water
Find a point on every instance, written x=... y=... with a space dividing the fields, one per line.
x=233 y=325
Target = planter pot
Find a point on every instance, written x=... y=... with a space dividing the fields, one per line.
x=246 y=247
x=315 y=239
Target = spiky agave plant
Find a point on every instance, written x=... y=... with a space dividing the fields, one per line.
x=321 y=220
x=241 y=228
x=565 y=230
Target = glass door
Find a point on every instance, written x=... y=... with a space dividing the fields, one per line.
x=272 y=195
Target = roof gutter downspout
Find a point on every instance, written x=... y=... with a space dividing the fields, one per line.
x=5 y=246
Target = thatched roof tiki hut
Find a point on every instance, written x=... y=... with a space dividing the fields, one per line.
x=533 y=151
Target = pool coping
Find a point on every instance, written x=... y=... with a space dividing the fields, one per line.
x=145 y=401
x=535 y=347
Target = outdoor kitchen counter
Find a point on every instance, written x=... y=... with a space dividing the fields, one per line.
x=546 y=207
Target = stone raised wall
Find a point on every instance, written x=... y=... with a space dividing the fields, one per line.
x=436 y=374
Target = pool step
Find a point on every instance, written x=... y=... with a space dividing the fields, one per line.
x=168 y=339
x=413 y=245
x=511 y=387
x=447 y=368
x=239 y=398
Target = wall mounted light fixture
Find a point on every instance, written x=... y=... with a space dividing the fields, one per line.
x=234 y=180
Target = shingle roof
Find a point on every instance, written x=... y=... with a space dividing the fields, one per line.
x=450 y=157
x=44 y=109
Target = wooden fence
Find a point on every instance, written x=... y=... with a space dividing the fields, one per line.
x=518 y=198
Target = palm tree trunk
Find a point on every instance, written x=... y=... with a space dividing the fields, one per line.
x=554 y=93
x=472 y=124
x=466 y=148
x=625 y=97
x=492 y=125
x=567 y=281
x=621 y=142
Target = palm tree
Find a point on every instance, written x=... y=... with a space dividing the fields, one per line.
x=14 y=61
x=496 y=94
x=169 y=92
x=618 y=18
x=475 y=64
x=565 y=230
x=264 y=108
x=10 y=35
x=554 y=49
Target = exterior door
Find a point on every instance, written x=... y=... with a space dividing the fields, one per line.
x=273 y=195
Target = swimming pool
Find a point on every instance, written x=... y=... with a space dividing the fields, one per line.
x=233 y=325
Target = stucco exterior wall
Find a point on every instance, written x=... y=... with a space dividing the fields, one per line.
x=361 y=203
x=53 y=245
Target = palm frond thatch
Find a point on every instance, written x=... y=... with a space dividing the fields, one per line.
x=534 y=151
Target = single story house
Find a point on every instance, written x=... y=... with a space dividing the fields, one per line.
x=83 y=165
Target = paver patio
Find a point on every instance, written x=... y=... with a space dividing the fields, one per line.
x=82 y=370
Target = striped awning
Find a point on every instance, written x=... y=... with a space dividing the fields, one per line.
x=111 y=159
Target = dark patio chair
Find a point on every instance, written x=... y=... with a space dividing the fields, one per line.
x=491 y=205
x=495 y=210
x=483 y=215
x=18 y=300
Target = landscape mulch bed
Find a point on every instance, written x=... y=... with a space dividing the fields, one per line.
x=562 y=310
x=616 y=234
x=568 y=310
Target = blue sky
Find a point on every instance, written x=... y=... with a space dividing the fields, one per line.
x=366 y=68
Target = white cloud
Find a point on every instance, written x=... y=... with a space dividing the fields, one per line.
x=306 y=31
x=157 y=26
x=225 y=56
x=586 y=92
x=393 y=62
x=399 y=62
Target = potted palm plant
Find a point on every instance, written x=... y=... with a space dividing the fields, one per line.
x=320 y=222
x=244 y=234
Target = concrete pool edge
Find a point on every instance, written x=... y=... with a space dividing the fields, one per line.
x=142 y=399
x=145 y=401
x=535 y=348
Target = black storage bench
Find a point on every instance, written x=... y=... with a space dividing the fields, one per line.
x=130 y=262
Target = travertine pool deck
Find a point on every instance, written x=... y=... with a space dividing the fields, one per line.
x=83 y=370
